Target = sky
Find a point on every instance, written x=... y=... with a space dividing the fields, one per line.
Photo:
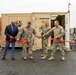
x=28 y=6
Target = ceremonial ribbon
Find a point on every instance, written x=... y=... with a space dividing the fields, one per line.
x=59 y=40
x=20 y=41
x=24 y=41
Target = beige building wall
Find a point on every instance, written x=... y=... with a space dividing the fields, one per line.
x=35 y=18
x=7 y=18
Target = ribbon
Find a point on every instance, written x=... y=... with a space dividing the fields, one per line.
x=6 y=40
x=59 y=40
x=20 y=41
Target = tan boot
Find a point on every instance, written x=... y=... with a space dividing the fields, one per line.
x=44 y=57
x=63 y=58
x=42 y=54
x=51 y=58
x=31 y=57
x=24 y=58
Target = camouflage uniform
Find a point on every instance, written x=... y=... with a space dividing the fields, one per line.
x=27 y=34
x=58 y=33
x=44 y=30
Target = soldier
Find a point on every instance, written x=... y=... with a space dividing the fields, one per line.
x=44 y=29
x=26 y=34
x=58 y=33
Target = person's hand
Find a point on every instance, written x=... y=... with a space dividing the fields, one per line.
x=17 y=39
x=39 y=37
x=43 y=36
x=56 y=37
x=41 y=32
x=11 y=37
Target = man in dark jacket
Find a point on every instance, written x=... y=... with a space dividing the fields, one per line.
x=10 y=31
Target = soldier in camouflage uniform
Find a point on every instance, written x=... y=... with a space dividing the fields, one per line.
x=44 y=29
x=58 y=33
x=26 y=33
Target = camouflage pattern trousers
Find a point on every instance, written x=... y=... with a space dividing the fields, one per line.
x=44 y=45
x=54 y=48
x=27 y=49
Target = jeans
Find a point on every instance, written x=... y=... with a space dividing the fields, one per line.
x=7 y=47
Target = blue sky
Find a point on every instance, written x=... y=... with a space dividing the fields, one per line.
x=27 y=6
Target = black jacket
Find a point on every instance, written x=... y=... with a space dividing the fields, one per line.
x=8 y=31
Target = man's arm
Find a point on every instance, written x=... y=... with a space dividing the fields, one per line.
x=6 y=32
x=61 y=33
x=19 y=34
x=34 y=32
x=48 y=33
x=49 y=28
x=17 y=30
x=40 y=28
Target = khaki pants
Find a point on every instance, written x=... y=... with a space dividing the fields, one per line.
x=24 y=49
x=54 y=48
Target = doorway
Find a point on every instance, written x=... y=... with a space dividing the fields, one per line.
x=61 y=19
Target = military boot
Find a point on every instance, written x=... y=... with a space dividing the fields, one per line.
x=31 y=57
x=44 y=57
x=63 y=58
x=24 y=57
x=51 y=58
x=42 y=54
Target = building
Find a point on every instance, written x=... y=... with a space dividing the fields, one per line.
x=37 y=19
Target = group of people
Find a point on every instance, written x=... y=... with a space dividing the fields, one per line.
x=26 y=33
